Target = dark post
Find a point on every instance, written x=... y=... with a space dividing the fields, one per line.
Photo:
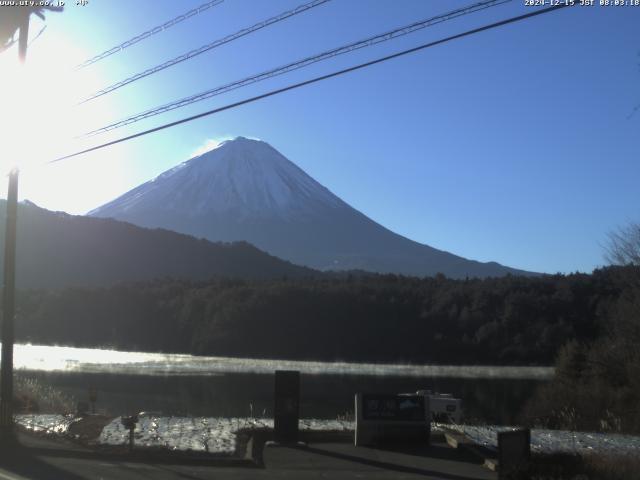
x=8 y=291
x=23 y=39
x=6 y=369
x=514 y=452
x=287 y=406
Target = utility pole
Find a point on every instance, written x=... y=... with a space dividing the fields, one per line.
x=9 y=287
x=8 y=313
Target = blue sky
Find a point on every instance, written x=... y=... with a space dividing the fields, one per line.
x=513 y=145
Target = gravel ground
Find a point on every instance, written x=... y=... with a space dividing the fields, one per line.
x=558 y=441
x=201 y=434
x=219 y=435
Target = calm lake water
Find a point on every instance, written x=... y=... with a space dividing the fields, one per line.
x=217 y=386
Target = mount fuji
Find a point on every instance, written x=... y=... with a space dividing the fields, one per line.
x=246 y=190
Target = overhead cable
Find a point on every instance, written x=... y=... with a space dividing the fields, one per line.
x=205 y=48
x=313 y=80
x=149 y=33
x=383 y=37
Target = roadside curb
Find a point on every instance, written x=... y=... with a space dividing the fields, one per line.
x=248 y=453
x=63 y=446
x=258 y=439
x=458 y=440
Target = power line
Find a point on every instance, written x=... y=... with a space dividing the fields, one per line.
x=315 y=80
x=38 y=35
x=205 y=48
x=383 y=37
x=148 y=33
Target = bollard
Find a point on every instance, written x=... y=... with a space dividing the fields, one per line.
x=286 y=406
x=514 y=452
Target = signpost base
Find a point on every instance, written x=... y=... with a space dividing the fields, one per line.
x=286 y=406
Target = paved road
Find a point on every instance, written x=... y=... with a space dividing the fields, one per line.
x=344 y=461
x=46 y=460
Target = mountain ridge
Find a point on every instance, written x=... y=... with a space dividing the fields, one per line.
x=246 y=190
x=56 y=250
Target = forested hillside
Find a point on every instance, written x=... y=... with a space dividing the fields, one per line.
x=510 y=320
x=57 y=250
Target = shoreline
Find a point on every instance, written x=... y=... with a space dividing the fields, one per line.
x=95 y=360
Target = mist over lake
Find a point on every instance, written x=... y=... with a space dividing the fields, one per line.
x=238 y=387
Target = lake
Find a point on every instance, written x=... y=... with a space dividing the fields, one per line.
x=218 y=386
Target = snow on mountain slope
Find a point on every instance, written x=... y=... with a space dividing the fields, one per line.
x=246 y=190
x=245 y=176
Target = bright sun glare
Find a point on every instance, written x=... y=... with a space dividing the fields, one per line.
x=36 y=104
x=40 y=118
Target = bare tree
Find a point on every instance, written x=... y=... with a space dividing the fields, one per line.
x=623 y=246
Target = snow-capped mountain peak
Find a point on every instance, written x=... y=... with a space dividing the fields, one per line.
x=245 y=189
x=243 y=175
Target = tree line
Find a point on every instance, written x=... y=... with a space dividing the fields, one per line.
x=597 y=381
x=356 y=317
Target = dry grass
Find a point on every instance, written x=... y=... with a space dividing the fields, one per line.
x=33 y=396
